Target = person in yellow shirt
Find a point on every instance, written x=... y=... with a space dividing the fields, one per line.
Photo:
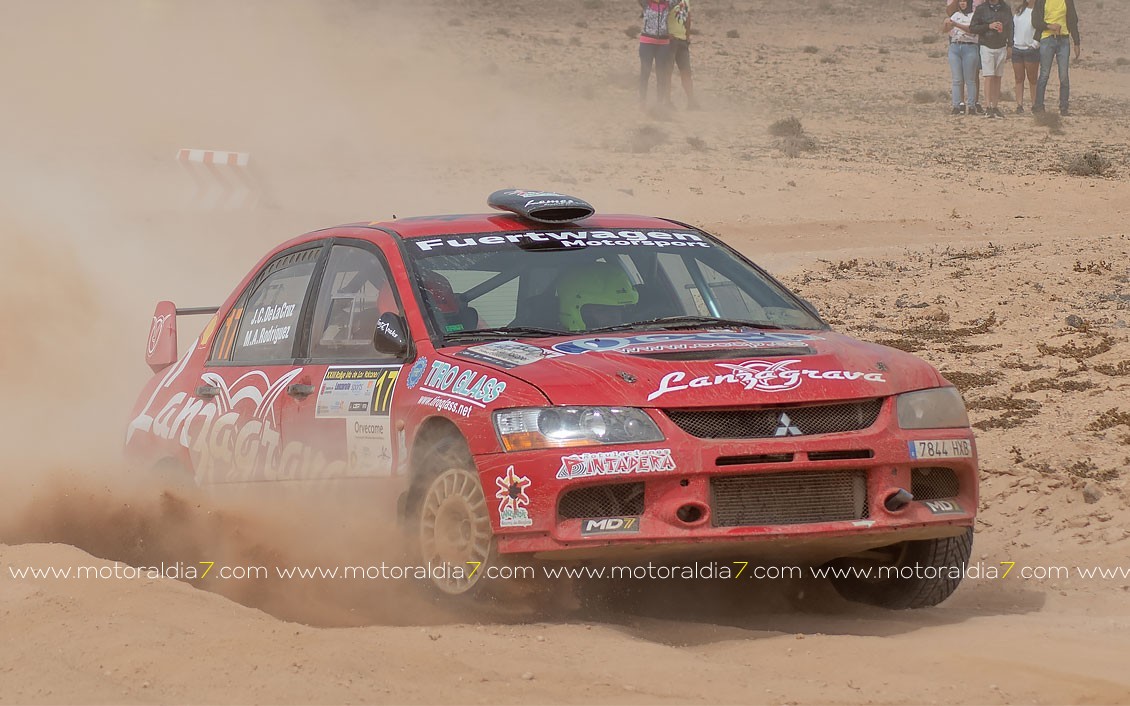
x=1057 y=25
x=679 y=24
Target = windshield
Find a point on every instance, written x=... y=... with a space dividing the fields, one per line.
x=548 y=283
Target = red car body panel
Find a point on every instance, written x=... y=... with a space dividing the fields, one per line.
x=231 y=423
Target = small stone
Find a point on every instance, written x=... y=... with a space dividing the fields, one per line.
x=1077 y=522
x=541 y=638
x=144 y=685
x=528 y=676
x=1092 y=493
x=1075 y=321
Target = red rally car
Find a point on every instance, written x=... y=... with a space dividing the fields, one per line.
x=557 y=385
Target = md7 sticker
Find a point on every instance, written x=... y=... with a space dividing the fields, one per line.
x=940 y=448
x=615 y=463
x=943 y=507
x=610 y=525
x=513 y=499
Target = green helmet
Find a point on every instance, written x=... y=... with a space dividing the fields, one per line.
x=602 y=283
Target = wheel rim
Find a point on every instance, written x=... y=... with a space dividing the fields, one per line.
x=455 y=531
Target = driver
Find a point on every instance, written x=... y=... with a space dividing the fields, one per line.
x=595 y=295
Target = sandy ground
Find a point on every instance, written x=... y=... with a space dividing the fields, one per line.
x=963 y=240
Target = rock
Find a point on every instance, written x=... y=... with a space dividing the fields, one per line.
x=528 y=676
x=1075 y=321
x=1114 y=534
x=1092 y=493
x=1077 y=522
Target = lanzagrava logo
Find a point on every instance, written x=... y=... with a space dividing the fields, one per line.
x=763 y=375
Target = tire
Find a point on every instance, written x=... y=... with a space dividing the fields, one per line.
x=924 y=589
x=453 y=529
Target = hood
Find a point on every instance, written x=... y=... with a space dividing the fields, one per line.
x=714 y=368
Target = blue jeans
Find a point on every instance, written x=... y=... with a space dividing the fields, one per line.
x=660 y=56
x=964 y=60
x=1059 y=49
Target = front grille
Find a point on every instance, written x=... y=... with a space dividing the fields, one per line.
x=611 y=500
x=788 y=498
x=769 y=422
x=934 y=483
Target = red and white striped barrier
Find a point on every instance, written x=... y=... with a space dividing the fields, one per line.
x=223 y=180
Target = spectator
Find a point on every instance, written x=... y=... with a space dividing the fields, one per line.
x=655 y=49
x=1058 y=25
x=1025 y=53
x=679 y=22
x=964 y=58
x=952 y=7
x=992 y=22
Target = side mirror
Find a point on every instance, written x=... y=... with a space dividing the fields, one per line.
x=391 y=335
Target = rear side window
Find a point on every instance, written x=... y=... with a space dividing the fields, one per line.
x=264 y=324
x=355 y=291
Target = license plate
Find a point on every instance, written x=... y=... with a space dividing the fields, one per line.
x=941 y=448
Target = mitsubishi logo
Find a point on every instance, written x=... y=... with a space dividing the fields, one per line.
x=785 y=426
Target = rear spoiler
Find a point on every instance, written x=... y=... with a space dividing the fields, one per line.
x=161 y=348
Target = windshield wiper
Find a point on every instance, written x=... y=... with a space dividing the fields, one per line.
x=504 y=332
x=687 y=321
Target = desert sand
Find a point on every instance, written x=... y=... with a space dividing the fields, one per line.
x=965 y=240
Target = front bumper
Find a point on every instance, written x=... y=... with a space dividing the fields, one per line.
x=818 y=497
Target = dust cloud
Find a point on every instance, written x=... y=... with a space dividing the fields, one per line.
x=346 y=108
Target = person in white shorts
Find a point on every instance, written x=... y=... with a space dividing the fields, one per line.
x=992 y=22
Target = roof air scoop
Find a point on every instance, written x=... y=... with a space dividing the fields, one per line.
x=541 y=206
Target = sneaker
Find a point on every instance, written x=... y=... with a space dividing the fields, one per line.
x=989 y=113
x=957 y=110
x=997 y=113
x=1064 y=112
x=977 y=107
x=1019 y=109
x=1037 y=109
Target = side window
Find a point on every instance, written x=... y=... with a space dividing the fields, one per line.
x=355 y=291
x=263 y=328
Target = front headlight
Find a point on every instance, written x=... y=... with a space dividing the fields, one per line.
x=939 y=408
x=548 y=427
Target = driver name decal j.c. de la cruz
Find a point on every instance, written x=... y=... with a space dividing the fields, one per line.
x=761 y=375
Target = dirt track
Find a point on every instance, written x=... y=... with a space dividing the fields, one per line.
x=962 y=241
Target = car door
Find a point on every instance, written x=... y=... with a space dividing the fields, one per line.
x=347 y=419
x=251 y=390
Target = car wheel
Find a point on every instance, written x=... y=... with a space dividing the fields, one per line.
x=454 y=531
x=918 y=574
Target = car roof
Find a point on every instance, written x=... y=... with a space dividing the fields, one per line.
x=420 y=226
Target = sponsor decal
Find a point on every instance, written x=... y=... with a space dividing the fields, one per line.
x=155 y=331
x=614 y=463
x=566 y=239
x=943 y=507
x=506 y=354
x=348 y=391
x=369 y=447
x=234 y=436
x=761 y=375
x=513 y=499
x=388 y=329
x=940 y=448
x=466 y=385
x=866 y=524
x=417 y=371
x=610 y=525
x=658 y=342
x=444 y=404
x=209 y=330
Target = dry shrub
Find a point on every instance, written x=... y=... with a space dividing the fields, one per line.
x=1087 y=164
